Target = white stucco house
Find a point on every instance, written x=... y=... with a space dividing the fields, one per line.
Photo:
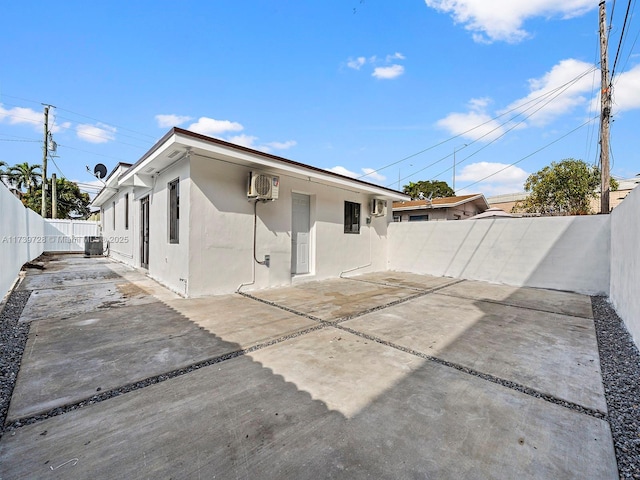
x=204 y=216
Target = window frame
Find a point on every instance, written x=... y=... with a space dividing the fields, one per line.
x=126 y=211
x=173 y=188
x=352 y=212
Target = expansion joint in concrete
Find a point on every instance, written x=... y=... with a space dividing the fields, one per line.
x=484 y=376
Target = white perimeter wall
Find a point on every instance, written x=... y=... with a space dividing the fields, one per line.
x=22 y=237
x=625 y=262
x=221 y=224
x=64 y=235
x=562 y=253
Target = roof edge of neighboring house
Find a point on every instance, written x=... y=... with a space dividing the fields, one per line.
x=176 y=131
x=442 y=202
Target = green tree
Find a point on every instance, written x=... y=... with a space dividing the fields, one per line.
x=562 y=188
x=3 y=172
x=72 y=203
x=26 y=176
x=425 y=188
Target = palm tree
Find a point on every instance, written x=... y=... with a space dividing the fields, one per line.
x=3 y=172
x=25 y=175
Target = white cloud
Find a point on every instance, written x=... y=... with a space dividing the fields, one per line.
x=626 y=90
x=368 y=174
x=98 y=133
x=282 y=145
x=244 y=140
x=504 y=179
x=213 y=127
x=21 y=115
x=388 y=73
x=562 y=100
x=357 y=63
x=59 y=127
x=502 y=20
x=372 y=176
x=395 y=56
x=171 y=120
x=473 y=125
x=558 y=92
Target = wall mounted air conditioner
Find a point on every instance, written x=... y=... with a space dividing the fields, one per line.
x=263 y=186
x=378 y=207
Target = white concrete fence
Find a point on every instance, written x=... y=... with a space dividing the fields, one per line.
x=25 y=235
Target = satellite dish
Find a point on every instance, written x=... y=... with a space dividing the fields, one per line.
x=100 y=171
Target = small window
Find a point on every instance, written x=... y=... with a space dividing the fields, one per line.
x=174 y=211
x=418 y=218
x=113 y=209
x=397 y=218
x=126 y=211
x=351 y=217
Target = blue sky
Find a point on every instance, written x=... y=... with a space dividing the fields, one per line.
x=391 y=89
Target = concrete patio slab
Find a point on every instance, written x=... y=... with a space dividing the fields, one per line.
x=68 y=360
x=80 y=276
x=308 y=399
x=239 y=420
x=567 y=303
x=69 y=301
x=240 y=320
x=334 y=299
x=552 y=353
x=404 y=279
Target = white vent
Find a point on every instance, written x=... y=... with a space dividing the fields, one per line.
x=263 y=186
x=378 y=207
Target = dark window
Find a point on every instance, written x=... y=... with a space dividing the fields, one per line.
x=113 y=209
x=126 y=211
x=418 y=218
x=174 y=211
x=351 y=217
x=397 y=218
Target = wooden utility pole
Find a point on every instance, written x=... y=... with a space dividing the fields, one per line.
x=605 y=111
x=45 y=151
x=54 y=197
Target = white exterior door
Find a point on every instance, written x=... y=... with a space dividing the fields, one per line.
x=300 y=233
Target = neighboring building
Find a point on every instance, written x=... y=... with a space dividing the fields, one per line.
x=492 y=213
x=508 y=201
x=205 y=216
x=447 y=208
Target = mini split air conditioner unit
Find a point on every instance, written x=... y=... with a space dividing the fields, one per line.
x=263 y=186
x=378 y=207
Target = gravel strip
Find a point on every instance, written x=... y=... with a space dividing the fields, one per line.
x=13 y=338
x=620 y=366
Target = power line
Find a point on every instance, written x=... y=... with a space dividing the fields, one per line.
x=557 y=92
x=531 y=154
x=620 y=42
x=533 y=101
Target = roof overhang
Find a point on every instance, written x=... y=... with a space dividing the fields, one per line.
x=178 y=144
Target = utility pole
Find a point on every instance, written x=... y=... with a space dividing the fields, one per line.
x=45 y=151
x=54 y=197
x=605 y=111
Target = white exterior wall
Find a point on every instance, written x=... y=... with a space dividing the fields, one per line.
x=562 y=253
x=221 y=235
x=22 y=237
x=169 y=263
x=120 y=241
x=625 y=262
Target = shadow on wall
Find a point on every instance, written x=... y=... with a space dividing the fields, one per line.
x=560 y=253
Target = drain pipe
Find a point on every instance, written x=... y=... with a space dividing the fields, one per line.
x=253 y=264
x=370 y=259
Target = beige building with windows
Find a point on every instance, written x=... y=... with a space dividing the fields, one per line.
x=446 y=208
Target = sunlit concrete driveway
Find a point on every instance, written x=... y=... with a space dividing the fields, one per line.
x=387 y=375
